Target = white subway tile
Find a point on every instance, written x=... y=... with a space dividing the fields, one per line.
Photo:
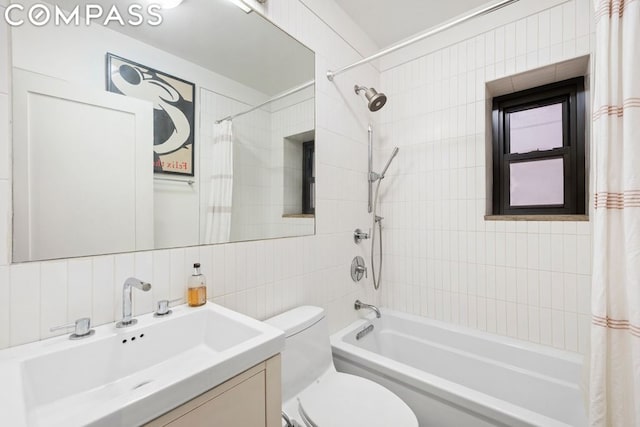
x=570 y=292
x=480 y=51
x=555 y=26
x=25 y=303
x=583 y=18
x=583 y=255
x=569 y=21
x=216 y=281
x=5 y=307
x=583 y=291
x=103 y=290
x=532 y=33
x=500 y=49
x=557 y=260
x=79 y=288
x=533 y=288
x=543 y=29
x=490 y=47
x=521 y=286
x=523 y=322
x=534 y=324
x=557 y=291
x=546 y=292
x=569 y=255
x=558 y=328
x=584 y=333
x=53 y=294
x=546 y=329
x=512 y=319
x=521 y=37
x=571 y=331
x=492 y=314
x=510 y=41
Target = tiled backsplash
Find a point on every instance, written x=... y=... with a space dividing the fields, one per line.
x=529 y=280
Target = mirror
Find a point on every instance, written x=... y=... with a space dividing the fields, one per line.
x=118 y=142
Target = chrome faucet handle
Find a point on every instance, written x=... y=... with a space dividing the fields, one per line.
x=362 y=269
x=162 y=307
x=359 y=235
x=82 y=328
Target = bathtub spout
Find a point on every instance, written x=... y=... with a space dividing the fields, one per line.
x=359 y=304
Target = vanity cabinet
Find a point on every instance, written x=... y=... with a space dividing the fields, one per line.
x=252 y=398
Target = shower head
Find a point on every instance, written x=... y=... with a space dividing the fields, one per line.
x=394 y=153
x=376 y=100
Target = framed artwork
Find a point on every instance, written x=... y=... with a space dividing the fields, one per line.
x=173 y=111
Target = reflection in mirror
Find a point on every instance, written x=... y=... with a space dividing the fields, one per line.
x=120 y=141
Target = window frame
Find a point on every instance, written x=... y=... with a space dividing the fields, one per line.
x=571 y=94
x=308 y=178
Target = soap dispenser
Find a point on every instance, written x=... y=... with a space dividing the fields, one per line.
x=197 y=288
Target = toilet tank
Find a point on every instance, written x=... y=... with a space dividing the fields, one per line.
x=307 y=350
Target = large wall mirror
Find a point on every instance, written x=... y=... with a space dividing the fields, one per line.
x=119 y=142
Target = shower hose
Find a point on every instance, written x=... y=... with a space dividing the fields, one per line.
x=376 y=219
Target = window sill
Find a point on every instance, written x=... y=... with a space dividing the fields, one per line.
x=298 y=216
x=536 y=217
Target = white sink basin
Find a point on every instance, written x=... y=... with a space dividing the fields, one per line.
x=126 y=377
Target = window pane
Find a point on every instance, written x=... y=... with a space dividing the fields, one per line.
x=536 y=129
x=536 y=183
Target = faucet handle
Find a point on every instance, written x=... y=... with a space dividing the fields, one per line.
x=82 y=328
x=162 y=307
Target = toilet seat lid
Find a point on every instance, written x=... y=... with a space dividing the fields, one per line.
x=338 y=399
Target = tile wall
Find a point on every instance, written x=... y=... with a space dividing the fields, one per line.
x=260 y=278
x=529 y=280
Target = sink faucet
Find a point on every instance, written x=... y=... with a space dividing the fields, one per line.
x=359 y=304
x=131 y=282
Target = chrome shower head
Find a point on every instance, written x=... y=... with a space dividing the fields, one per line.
x=376 y=100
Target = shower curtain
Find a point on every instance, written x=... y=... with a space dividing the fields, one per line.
x=614 y=391
x=218 y=225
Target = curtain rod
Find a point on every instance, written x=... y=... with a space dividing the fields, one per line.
x=275 y=98
x=190 y=181
x=485 y=10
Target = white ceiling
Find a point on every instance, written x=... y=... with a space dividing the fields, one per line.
x=219 y=36
x=389 y=21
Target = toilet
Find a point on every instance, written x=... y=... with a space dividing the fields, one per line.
x=314 y=394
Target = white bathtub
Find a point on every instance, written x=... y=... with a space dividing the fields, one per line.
x=454 y=376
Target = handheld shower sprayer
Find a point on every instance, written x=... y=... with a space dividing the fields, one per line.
x=394 y=153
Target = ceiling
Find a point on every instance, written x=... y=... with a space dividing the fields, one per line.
x=219 y=36
x=387 y=22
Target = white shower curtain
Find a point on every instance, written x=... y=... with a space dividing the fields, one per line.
x=218 y=225
x=614 y=390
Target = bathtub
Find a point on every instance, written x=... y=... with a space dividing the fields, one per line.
x=455 y=376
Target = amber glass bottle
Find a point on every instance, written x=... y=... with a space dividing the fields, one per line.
x=197 y=288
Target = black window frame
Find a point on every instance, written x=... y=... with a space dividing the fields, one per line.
x=571 y=94
x=308 y=178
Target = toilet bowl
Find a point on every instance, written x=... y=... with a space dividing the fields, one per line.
x=314 y=394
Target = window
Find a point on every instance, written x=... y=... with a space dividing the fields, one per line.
x=538 y=150
x=308 y=178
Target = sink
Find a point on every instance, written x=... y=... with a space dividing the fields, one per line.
x=124 y=377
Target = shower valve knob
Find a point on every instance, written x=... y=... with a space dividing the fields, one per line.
x=358 y=269
x=359 y=235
